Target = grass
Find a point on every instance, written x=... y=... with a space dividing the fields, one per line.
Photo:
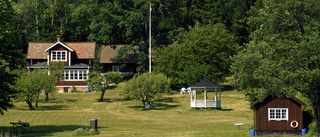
x=117 y=117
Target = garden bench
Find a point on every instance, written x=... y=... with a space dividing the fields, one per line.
x=19 y=124
x=238 y=124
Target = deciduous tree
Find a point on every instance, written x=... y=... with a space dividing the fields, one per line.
x=100 y=82
x=205 y=50
x=31 y=84
x=283 y=56
x=147 y=88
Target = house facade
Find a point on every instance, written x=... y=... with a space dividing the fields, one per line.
x=77 y=58
x=278 y=116
x=125 y=66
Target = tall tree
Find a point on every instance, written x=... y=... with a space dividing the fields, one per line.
x=203 y=51
x=283 y=56
x=10 y=49
x=6 y=90
x=11 y=56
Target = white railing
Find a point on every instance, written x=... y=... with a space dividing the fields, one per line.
x=205 y=104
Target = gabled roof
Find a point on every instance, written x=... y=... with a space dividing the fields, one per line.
x=109 y=52
x=83 y=50
x=206 y=83
x=270 y=97
x=59 y=44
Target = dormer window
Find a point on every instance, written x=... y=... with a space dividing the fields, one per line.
x=58 y=55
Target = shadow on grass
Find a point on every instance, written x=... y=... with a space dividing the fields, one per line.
x=54 y=107
x=112 y=99
x=71 y=100
x=228 y=88
x=168 y=99
x=43 y=108
x=42 y=130
x=155 y=106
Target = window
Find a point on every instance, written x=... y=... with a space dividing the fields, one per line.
x=116 y=68
x=278 y=114
x=75 y=75
x=58 y=55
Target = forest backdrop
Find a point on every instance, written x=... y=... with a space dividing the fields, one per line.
x=271 y=46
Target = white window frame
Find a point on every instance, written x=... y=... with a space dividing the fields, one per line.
x=58 y=57
x=75 y=74
x=115 y=68
x=278 y=114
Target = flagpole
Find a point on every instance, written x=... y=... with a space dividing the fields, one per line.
x=150 y=38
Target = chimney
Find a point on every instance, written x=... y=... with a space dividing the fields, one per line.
x=58 y=38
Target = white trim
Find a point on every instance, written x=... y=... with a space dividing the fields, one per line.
x=73 y=85
x=69 y=58
x=278 y=114
x=60 y=57
x=75 y=74
x=115 y=68
x=60 y=44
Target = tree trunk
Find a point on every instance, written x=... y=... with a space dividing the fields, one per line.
x=37 y=104
x=316 y=106
x=317 y=116
x=102 y=95
x=47 y=97
x=30 y=105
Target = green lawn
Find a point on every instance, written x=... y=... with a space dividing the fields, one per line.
x=118 y=117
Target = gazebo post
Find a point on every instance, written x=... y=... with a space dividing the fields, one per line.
x=215 y=94
x=205 y=97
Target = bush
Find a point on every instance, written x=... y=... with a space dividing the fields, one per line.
x=85 y=132
x=74 y=90
x=313 y=130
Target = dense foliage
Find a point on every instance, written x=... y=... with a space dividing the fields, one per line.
x=203 y=51
x=283 y=56
x=31 y=84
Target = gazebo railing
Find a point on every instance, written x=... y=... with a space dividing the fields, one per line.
x=205 y=103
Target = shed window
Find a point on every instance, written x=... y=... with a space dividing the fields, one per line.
x=277 y=114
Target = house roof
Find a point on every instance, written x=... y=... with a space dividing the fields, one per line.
x=60 y=44
x=293 y=98
x=109 y=52
x=83 y=50
x=206 y=83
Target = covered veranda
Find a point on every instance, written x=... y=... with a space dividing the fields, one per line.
x=205 y=86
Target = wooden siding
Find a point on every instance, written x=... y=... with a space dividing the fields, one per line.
x=71 y=83
x=60 y=47
x=261 y=114
x=130 y=67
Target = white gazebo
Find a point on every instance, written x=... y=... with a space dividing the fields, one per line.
x=205 y=86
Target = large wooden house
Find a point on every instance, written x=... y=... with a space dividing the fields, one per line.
x=77 y=58
x=279 y=116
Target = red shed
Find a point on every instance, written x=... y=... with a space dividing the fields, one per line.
x=278 y=116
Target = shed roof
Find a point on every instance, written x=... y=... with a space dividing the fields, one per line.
x=206 y=83
x=83 y=50
x=293 y=98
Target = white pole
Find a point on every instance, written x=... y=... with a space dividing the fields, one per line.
x=150 y=38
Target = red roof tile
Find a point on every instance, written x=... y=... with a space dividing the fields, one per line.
x=84 y=50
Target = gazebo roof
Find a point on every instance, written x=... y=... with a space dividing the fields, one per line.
x=206 y=83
